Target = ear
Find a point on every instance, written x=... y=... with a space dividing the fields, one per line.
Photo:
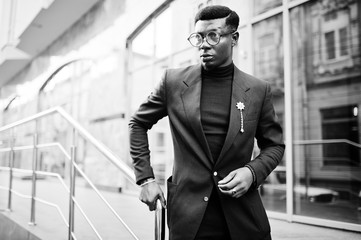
x=235 y=37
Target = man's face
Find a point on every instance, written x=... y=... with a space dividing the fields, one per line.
x=218 y=55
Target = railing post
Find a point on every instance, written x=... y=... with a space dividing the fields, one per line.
x=11 y=165
x=33 y=179
x=159 y=221
x=72 y=188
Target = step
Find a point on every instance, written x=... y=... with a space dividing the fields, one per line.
x=50 y=225
x=10 y=230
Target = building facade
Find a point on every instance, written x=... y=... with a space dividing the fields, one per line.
x=108 y=60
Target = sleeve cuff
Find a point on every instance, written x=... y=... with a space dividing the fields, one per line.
x=146 y=181
x=254 y=182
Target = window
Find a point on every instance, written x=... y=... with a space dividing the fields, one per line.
x=268 y=54
x=343 y=41
x=261 y=6
x=330 y=45
x=331 y=16
x=340 y=123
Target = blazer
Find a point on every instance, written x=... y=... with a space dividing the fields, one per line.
x=194 y=174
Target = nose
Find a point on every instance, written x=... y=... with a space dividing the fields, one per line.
x=204 y=44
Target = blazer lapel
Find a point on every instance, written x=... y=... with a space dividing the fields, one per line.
x=191 y=98
x=239 y=94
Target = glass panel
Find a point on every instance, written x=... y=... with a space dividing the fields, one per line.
x=151 y=51
x=143 y=47
x=241 y=7
x=268 y=65
x=261 y=6
x=343 y=41
x=242 y=51
x=162 y=34
x=141 y=85
x=182 y=26
x=330 y=44
x=325 y=45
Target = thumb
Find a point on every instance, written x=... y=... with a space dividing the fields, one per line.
x=228 y=178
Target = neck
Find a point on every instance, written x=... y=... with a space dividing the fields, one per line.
x=219 y=72
x=212 y=69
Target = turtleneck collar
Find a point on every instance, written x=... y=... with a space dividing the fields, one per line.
x=219 y=72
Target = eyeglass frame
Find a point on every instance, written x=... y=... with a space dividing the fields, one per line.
x=205 y=37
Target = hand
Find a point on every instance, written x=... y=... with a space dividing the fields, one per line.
x=149 y=195
x=236 y=183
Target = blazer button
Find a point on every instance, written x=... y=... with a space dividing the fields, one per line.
x=215 y=174
x=205 y=199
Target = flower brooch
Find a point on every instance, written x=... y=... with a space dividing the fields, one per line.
x=240 y=106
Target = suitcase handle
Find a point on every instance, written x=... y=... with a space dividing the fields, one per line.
x=159 y=221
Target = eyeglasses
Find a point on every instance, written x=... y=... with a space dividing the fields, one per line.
x=212 y=38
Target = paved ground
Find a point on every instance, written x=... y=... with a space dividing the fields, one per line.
x=282 y=230
x=50 y=225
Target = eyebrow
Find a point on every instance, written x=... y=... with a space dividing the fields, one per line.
x=212 y=30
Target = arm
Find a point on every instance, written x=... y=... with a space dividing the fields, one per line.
x=148 y=114
x=270 y=141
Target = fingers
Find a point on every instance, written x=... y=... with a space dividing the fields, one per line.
x=235 y=184
x=163 y=201
x=227 y=179
x=152 y=205
x=228 y=183
x=149 y=195
x=235 y=192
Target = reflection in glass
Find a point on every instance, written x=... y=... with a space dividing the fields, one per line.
x=268 y=52
x=261 y=6
x=325 y=45
x=268 y=65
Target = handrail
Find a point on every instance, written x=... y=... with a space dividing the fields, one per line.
x=39 y=199
x=61 y=148
x=125 y=169
x=68 y=157
x=323 y=141
x=159 y=221
x=84 y=133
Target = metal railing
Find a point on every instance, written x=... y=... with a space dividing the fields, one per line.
x=324 y=141
x=321 y=142
x=74 y=167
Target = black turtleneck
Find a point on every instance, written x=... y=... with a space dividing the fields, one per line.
x=215 y=105
x=215 y=110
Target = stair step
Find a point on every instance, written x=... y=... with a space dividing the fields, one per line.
x=49 y=224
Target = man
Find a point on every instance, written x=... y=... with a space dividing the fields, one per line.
x=215 y=112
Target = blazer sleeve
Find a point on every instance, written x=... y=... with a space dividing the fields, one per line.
x=269 y=139
x=148 y=114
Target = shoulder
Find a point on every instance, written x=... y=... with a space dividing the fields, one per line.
x=251 y=80
x=179 y=78
x=176 y=72
x=247 y=82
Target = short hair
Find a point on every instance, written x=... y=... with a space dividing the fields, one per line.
x=218 y=11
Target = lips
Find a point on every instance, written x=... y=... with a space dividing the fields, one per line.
x=206 y=57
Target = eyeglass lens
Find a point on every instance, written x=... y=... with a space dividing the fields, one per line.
x=212 y=38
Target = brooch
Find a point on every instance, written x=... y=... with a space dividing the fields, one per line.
x=240 y=106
